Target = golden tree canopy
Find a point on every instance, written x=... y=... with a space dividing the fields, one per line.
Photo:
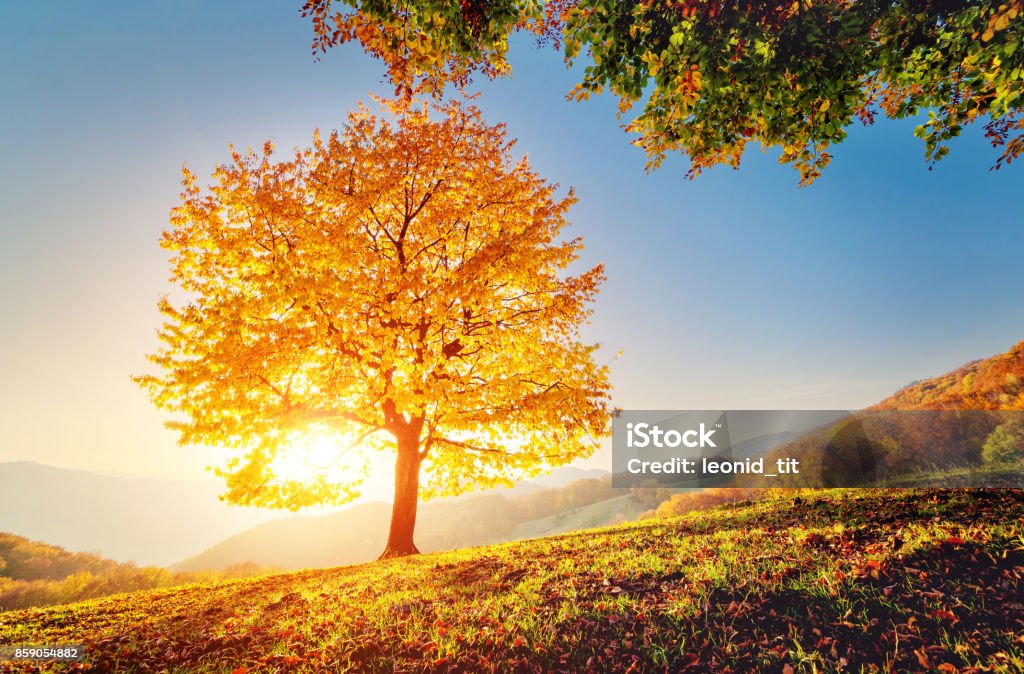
x=403 y=275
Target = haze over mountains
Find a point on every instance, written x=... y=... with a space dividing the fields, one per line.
x=359 y=534
x=142 y=520
x=153 y=521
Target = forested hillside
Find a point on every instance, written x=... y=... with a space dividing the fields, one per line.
x=989 y=384
x=37 y=574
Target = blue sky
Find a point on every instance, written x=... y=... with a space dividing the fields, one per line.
x=737 y=290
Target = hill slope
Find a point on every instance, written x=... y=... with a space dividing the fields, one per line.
x=989 y=384
x=852 y=581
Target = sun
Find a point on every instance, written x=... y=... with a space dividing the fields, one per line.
x=340 y=457
x=305 y=456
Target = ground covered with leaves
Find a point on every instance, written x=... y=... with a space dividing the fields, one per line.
x=855 y=581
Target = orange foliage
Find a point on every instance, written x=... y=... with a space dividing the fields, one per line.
x=996 y=383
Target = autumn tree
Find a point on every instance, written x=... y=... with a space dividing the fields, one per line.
x=1002 y=447
x=400 y=285
x=716 y=75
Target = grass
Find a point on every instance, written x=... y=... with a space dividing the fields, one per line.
x=842 y=581
x=1005 y=475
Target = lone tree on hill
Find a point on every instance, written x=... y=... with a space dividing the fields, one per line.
x=400 y=285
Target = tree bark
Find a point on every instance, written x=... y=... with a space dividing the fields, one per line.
x=407 y=488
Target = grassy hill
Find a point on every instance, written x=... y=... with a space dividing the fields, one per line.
x=844 y=580
x=989 y=384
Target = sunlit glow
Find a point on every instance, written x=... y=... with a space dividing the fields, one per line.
x=305 y=457
x=339 y=457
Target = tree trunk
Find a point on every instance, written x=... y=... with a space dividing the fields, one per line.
x=407 y=488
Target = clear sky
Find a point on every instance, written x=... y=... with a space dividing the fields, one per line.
x=737 y=290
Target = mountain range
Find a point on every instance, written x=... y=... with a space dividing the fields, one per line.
x=159 y=522
x=142 y=520
x=358 y=534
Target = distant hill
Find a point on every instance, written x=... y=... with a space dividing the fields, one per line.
x=940 y=439
x=38 y=574
x=989 y=384
x=154 y=521
x=761 y=444
x=559 y=477
x=603 y=513
x=358 y=534
x=143 y=520
x=28 y=560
